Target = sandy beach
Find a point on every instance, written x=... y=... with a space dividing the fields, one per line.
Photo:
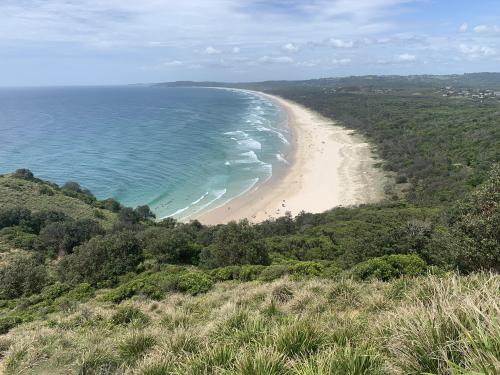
x=330 y=166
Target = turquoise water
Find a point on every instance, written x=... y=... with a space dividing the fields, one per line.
x=182 y=151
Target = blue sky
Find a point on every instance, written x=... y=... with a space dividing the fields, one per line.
x=88 y=42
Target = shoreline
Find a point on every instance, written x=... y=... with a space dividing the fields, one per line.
x=328 y=166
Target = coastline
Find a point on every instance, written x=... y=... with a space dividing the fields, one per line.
x=329 y=166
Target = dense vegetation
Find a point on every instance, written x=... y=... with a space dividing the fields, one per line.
x=406 y=286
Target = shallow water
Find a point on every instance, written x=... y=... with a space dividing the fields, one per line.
x=182 y=151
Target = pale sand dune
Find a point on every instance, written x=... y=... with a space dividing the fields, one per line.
x=330 y=167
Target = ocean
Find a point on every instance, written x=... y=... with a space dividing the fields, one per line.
x=182 y=151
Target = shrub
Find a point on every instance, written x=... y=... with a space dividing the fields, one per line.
x=9 y=322
x=23 y=275
x=14 y=216
x=274 y=271
x=145 y=213
x=171 y=245
x=45 y=190
x=129 y=315
x=225 y=273
x=63 y=237
x=194 y=282
x=235 y=243
x=307 y=269
x=101 y=259
x=24 y=174
x=474 y=241
x=390 y=266
x=250 y=272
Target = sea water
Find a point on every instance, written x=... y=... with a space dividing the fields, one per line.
x=182 y=151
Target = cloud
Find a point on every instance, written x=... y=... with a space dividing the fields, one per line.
x=406 y=57
x=236 y=50
x=464 y=27
x=309 y=63
x=341 y=61
x=486 y=28
x=276 y=60
x=290 y=47
x=211 y=51
x=172 y=63
x=476 y=51
x=339 y=43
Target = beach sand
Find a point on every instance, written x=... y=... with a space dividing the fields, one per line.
x=330 y=167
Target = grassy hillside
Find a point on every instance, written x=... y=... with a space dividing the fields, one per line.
x=307 y=326
x=37 y=195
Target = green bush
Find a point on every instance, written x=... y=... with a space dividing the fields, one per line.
x=23 y=275
x=389 y=267
x=225 y=273
x=129 y=315
x=235 y=244
x=274 y=271
x=307 y=269
x=9 y=322
x=194 y=282
x=102 y=259
x=250 y=272
x=24 y=174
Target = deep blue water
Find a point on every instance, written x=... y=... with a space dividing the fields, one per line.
x=180 y=150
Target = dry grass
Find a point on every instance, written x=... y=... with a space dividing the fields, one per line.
x=436 y=325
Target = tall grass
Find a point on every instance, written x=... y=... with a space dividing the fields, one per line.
x=443 y=326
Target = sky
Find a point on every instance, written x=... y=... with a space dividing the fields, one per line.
x=100 y=42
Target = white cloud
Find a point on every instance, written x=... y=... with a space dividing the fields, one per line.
x=309 y=63
x=341 y=61
x=172 y=63
x=406 y=57
x=210 y=50
x=480 y=28
x=476 y=51
x=236 y=50
x=276 y=60
x=339 y=43
x=464 y=27
x=290 y=47
x=486 y=28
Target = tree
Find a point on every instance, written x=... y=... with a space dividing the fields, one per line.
x=24 y=174
x=110 y=204
x=145 y=213
x=235 y=243
x=475 y=227
x=62 y=237
x=171 y=245
x=22 y=275
x=41 y=219
x=128 y=216
x=14 y=216
x=101 y=259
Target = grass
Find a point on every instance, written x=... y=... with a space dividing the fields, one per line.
x=34 y=197
x=446 y=325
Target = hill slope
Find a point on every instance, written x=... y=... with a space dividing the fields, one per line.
x=312 y=326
